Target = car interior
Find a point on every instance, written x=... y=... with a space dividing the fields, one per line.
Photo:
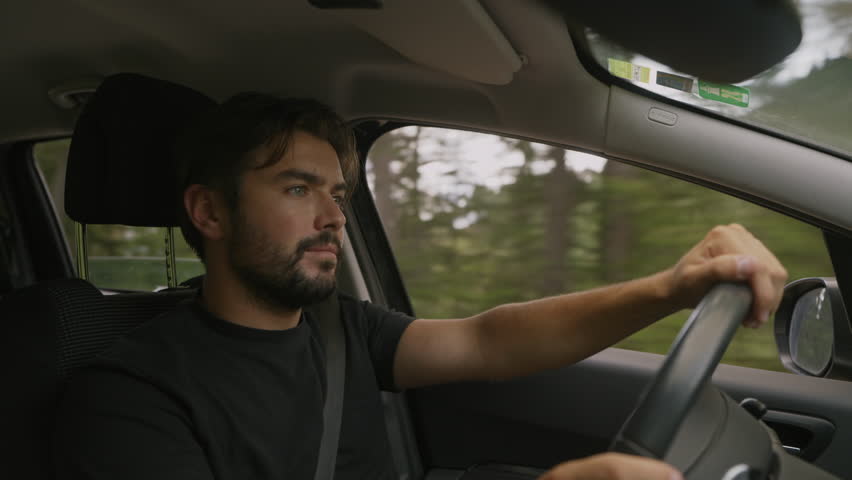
x=121 y=81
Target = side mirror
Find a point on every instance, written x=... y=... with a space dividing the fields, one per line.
x=812 y=330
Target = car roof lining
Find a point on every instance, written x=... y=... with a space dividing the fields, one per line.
x=293 y=49
x=458 y=37
x=187 y=43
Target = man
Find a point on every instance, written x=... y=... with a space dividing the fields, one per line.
x=232 y=384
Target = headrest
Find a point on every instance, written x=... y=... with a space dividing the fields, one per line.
x=120 y=164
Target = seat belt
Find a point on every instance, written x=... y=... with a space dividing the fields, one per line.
x=330 y=322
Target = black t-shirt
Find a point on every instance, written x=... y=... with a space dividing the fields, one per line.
x=191 y=396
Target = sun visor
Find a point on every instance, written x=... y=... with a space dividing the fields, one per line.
x=457 y=37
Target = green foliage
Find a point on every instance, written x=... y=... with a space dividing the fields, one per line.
x=138 y=273
x=467 y=247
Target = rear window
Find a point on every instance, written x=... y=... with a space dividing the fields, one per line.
x=120 y=257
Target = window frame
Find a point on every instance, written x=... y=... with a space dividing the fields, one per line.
x=40 y=240
x=56 y=219
x=375 y=130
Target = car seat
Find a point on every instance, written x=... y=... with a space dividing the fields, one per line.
x=120 y=171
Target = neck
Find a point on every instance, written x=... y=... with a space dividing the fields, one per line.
x=224 y=296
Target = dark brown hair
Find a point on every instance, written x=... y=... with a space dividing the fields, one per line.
x=222 y=144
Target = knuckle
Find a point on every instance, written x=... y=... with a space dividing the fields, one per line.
x=611 y=470
x=717 y=231
x=766 y=298
x=612 y=465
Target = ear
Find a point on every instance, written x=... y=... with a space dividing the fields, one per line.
x=206 y=211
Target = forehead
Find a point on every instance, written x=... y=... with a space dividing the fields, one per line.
x=304 y=152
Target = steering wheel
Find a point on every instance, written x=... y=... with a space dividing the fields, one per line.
x=679 y=386
x=683 y=419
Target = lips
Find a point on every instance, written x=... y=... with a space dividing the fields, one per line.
x=323 y=248
x=325 y=242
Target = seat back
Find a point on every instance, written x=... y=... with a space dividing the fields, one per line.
x=120 y=171
x=47 y=332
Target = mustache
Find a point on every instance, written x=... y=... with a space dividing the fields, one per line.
x=323 y=238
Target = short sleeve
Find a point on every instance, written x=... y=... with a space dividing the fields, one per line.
x=383 y=329
x=113 y=425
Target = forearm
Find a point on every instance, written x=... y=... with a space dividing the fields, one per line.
x=521 y=338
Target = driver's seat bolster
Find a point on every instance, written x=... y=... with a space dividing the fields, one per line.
x=47 y=332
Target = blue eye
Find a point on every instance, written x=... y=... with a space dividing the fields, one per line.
x=299 y=190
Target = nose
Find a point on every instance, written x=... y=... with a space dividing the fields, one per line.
x=330 y=214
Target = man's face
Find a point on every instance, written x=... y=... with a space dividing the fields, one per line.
x=286 y=233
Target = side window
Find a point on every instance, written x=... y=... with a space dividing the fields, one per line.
x=120 y=257
x=477 y=220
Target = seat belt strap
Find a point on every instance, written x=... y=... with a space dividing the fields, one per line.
x=330 y=322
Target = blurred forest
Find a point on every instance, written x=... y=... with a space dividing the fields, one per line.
x=544 y=224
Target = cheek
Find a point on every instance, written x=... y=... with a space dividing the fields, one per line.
x=282 y=219
x=286 y=223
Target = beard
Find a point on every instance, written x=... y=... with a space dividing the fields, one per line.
x=273 y=276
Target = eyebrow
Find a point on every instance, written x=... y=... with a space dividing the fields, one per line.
x=313 y=179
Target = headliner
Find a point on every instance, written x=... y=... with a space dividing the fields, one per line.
x=290 y=48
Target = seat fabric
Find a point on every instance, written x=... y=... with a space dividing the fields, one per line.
x=47 y=331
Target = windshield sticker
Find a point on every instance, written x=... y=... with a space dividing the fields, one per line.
x=629 y=71
x=729 y=94
x=674 y=81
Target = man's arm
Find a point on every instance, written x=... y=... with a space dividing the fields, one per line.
x=522 y=338
x=613 y=466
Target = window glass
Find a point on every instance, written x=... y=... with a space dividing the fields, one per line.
x=477 y=221
x=120 y=257
x=804 y=97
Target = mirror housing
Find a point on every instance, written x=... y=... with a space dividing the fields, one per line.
x=812 y=329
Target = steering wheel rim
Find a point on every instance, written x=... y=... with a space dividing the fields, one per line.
x=693 y=357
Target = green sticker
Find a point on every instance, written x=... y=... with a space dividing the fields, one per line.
x=629 y=71
x=674 y=81
x=730 y=94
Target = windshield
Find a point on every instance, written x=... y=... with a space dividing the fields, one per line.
x=808 y=96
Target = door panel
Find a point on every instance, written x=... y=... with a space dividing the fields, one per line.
x=573 y=412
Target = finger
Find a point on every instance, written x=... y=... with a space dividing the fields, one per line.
x=745 y=269
x=727 y=239
x=613 y=466
x=764 y=294
x=728 y=268
x=767 y=279
x=768 y=287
